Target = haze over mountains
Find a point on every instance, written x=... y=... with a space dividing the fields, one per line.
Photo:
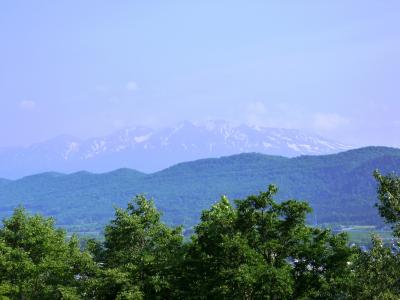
x=150 y=150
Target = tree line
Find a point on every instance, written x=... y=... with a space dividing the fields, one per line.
x=254 y=248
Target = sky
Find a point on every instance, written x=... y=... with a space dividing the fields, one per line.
x=88 y=68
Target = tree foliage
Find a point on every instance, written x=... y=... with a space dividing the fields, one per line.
x=262 y=249
x=37 y=262
x=139 y=255
x=378 y=273
x=389 y=199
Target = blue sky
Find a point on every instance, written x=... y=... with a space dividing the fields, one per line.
x=87 y=68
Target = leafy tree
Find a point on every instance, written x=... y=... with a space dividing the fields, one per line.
x=263 y=250
x=220 y=263
x=37 y=261
x=322 y=266
x=389 y=199
x=377 y=273
x=378 y=270
x=139 y=254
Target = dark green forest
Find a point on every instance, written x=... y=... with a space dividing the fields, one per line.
x=339 y=188
x=252 y=248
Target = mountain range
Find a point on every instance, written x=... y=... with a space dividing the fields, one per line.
x=151 y=150
x=339 y=187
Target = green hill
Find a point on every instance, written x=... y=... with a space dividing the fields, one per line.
x=339 y=187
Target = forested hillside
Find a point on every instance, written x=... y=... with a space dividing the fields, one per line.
x=339 y=187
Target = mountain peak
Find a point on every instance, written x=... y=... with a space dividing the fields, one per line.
x=148 y=150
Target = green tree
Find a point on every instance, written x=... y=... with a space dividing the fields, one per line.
x=37 y=261
x=378 y=270
x=220 y=263
x=139 y=254
x=263 y=250
x=389 y=199
x=377 y=273
x=322 y=266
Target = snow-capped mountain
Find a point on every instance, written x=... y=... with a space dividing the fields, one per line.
x=148 y=150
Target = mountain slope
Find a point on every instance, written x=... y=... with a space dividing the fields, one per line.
x=3 y=181
x=150 y=150
x=339 y=187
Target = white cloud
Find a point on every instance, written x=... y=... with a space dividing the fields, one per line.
x=132 y=86
x=329 y=121
x=27 y=105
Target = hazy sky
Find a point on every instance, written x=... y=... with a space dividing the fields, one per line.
x=87 y=68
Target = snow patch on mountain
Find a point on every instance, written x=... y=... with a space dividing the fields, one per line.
x=73 y=147
x=142 y=138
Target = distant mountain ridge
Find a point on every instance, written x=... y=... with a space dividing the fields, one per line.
x=150 y=150
x=339 y=187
